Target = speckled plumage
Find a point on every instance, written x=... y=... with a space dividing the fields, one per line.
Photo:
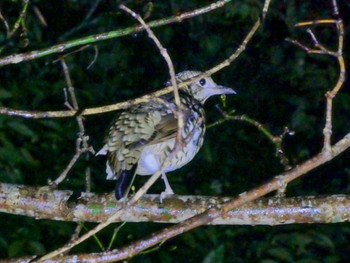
x=141 y=137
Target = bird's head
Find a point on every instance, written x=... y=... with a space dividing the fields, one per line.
x=202 y=89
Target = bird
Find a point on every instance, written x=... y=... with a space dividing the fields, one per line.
x=142 y=137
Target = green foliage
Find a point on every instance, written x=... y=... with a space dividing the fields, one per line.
x=277 y=83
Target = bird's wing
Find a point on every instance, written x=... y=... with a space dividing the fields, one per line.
x=132 y=131
x=129 y=130
x=164 y=130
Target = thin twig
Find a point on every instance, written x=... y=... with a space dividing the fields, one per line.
x=82 y=145
x=265 y=9
x=317 y=43
x=88 y=176
x=102 y=109
x=6 y=24
x=65 y=172
x=75 y=234
x=335 y=8
x=94 y=59
x=315 y=22
x=168 y=60
x=20 y=19
x=40 y=16
x=305 y=48
x=276 y=140
x=71 y=53
x=320 y=49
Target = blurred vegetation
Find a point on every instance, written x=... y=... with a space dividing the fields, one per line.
x=277 y=84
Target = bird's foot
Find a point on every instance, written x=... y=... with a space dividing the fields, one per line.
x=122 y=202
x=51 y=185
x=166 y=193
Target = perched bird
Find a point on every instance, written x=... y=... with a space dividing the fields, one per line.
x=141 y=137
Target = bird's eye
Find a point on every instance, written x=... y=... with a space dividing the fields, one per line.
x=202 y=82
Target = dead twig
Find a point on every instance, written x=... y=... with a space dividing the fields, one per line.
x=82 y=145
x=338 y=54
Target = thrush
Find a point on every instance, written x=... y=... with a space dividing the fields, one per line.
x=141 y=138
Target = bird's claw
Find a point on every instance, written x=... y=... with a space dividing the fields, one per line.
x=166 y=193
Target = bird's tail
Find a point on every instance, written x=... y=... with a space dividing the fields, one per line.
x=124 y=182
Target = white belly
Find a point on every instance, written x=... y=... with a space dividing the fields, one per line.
x=153 y=156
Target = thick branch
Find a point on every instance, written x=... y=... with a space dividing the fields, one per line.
x=56 y=205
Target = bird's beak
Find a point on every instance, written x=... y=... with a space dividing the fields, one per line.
x=225 y=90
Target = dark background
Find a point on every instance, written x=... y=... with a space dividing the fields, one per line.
x=278 y=84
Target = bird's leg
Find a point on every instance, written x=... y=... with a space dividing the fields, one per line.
x=168 y=190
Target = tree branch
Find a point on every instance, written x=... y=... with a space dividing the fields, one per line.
x=89 y=207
